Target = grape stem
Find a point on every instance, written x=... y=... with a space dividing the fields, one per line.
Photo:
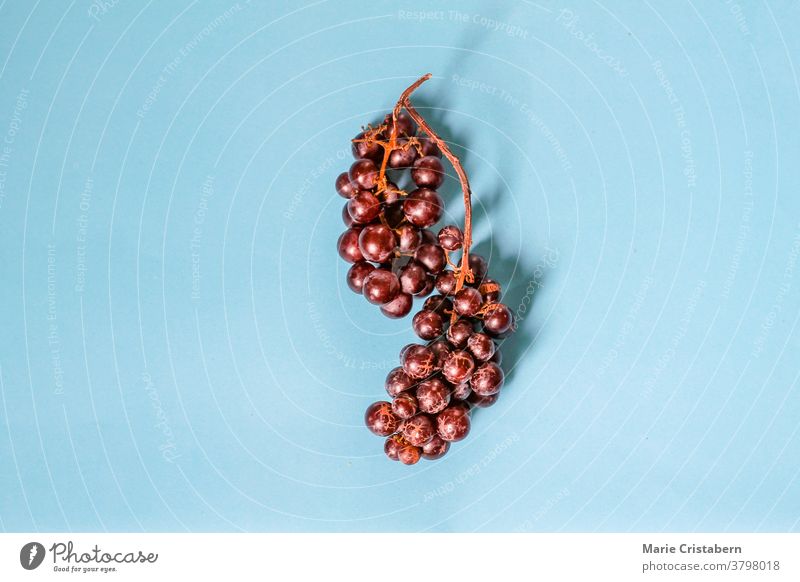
x=464 y=272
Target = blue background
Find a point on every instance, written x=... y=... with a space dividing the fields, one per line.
x=179 y=350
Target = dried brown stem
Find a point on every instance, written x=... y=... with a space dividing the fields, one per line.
x=464 y=273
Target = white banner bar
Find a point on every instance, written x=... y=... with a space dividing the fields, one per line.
x=387 y=557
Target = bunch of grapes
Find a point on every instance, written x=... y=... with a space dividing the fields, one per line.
x=395 y=257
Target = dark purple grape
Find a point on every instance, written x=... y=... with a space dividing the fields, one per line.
x=391 y=446
x=412 y=278
x=487 y=379
x=436 y=448
x=364 y=173
x=428 y=172
x=467 y=302
x=438 y=303
x=427 y=324
x=377 y=243
x=372 y=151
x=481 y=346
x=458 y=366
x=459 y=332
x=498 y=321
x=356 y=275
x=380 y=419
x=381 y=286
x=364 y=207
x=426 y=290
x=409 y=454
x=402 y=156
x=348 y=245
x=433 y=395
x=346 y=218
x=478 y=266
x=344 y=186
x=446 y=282
x=423 y=207
x=418 y=430
x=490 y=290
x=398 y=307
x=451 y=238
x=418 y=362
x=405 y=125
x=461 y=391
x=405 y=405
x=482 y=401
x=428 y=148
x=441 y=348
x=409 y=237
x=431 y=257
x=397 y=381
x=452 y=423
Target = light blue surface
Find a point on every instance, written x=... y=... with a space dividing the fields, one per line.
x=179 y=349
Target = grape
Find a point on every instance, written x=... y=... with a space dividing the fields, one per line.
x=418 y=430
x=418 y=362
x=405 y=125
x=461 y=391
x=348 y=246
x=436 y=448
x=446 y=282
x=428 y=324
x=431 y=257
x=452 y=423
x=408 y=454
x=423 y=207
x=450 y=238
x=467 y=302
x=459 y=332
x=482 y=401
x=346 y=218
x=397 y=382
x=377 y=243
x=364 y=173
x=381 y=286
x=487 y=379
x=439 y=304
x=405 y=405
x=395 y=257
x=413 y=278
x=356 y=275
x=361 y=150
x=380 y=419
x=391 y=446
x=344 y=186
x=458 y=366
x=498 y=321
x=410 y=238
x=490 y=290
x=428 y=172
x=481 y=346
x=433 y=395
x=428 y=148
x=398 y=307
x=479 y=266
x=364 y=207
x=403 y=156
